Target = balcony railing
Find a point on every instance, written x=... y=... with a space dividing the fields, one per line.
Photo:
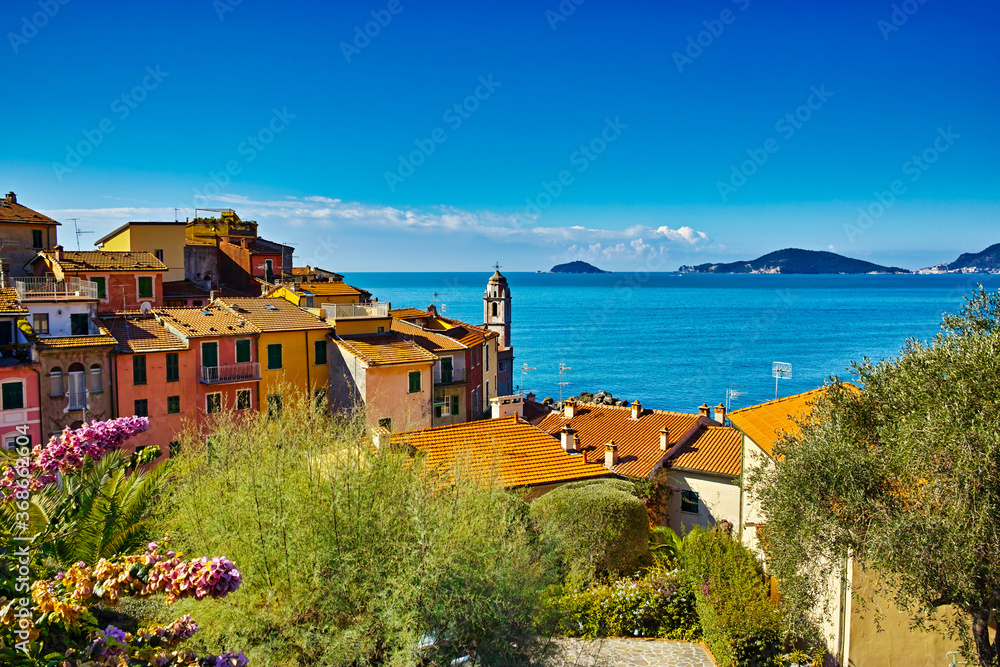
x=77 y=400
x=348 y=311
x=49 y=289
x=442 y=376
x=243 y=372
x=12 y=355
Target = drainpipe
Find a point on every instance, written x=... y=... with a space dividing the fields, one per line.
x=308 y=380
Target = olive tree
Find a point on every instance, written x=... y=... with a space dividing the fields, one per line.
x=904 y=476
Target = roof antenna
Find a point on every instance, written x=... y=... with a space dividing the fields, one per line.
x=563 y=383
x=781 y=371
x=79 y=232
x=175 y=215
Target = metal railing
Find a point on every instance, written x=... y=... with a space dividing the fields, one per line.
x=49 y=289
x=442 y=376
x=242 y=372
x=77 y=400
x=346 y=311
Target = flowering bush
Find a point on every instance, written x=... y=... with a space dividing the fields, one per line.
x=68 y=451
x=657 y=604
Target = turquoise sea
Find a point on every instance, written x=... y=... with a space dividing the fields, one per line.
x=675 y=341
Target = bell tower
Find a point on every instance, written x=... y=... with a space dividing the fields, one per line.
x=496 y=307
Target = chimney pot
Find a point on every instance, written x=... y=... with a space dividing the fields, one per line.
x=664 y=439
x=566 y=438
x=636 y=409
x=720 y=414
x=11 y=197
x=569 y=409
x=577 y=446
x=610 y=454
x=704 y=410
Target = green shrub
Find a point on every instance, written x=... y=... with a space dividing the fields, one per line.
x=740 y=624
x=595 y=529
x=656 y=604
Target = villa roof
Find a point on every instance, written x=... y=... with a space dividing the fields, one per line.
x=210 y=321
x=89 y=261
x=432 y=341
x=10 y=303
x=714 y=449
x=11 y=211
x=385 y=349
x=270 y=315
x=508 y=449
x=139 y=334
x=638 y=440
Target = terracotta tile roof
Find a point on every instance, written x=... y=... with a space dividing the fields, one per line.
x=9 y=302
x=142 y=334
x=205 y=322
x=273 y=314
x=408 y=313
x=103 y=337
x=766 y=423
x=11 y=211
x=331 y=289
x=74 y=261
x=509 y=449
x=431 y=341
x=638 y=440
x=386 y=349
x=110 y=235
x=714 y=449
x=535 y=412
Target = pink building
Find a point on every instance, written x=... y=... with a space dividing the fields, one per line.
x=124 y=280
x=19 y=400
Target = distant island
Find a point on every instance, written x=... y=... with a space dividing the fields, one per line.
x=987 y=261
x=794 y=260
x=576 y=267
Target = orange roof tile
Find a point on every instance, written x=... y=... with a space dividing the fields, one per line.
x=385 y=349
x=101 y=338
x=330 y=289
x=10 y=303
x=516 y=452
x=74 y=261
x=766 y=423
x=714 y=449
x=11 y=211
x=138 y=334
x=431 y=341
x=408 y=313
x=273 y=314
x=638 y=440
x=205 y=322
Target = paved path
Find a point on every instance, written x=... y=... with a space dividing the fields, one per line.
x=631 y=653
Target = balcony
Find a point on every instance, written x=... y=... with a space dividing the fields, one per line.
x=245 y=372
x=357 y=311
x=12 y=355
x=452 y=376
x=50 y=289
x=77 y=400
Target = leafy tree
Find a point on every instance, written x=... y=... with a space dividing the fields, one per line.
x=905 y=477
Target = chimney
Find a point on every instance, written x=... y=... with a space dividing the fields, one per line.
x=720 y=414
x=432 y=309
x=636 y=409
x=59 y=252
x=530 y=398
x=583 y=453
x=705 y=411
x=567 y=438
x=664 y=439
x=212 y=296
x=577 y=447
x=610 y=454
x=11 y=197
x=569 y=409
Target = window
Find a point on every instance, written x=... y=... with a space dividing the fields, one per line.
x=446 y=406
x=138 y=369
x=243 y=399
x=173 y=367
x=319 y=399
x=274 y=406
x=495 y=310
x=37 y=240
x=13 y=395
x=96 y=379
x=56 y=382
x=145 y=287
x=274 y=356
x=141 y=408
x=446 y=370
x=320 y=353
x=269 y=268
x=414 y=378
x=386 y=423
x=380 y=330
x=102 y=287
x=79 y=324
x=213 y=403
x=158 y=254
x=197 y=303
x=243 y=351
x=209 y=355
x=689 y=502
x=486 y=359
x=502 y=366
x=175 y=448
x=173 y=405
x=6 y=332
x=41 y=324
x=77 y=387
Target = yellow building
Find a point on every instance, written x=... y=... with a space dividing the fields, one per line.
x=293 y=347
x=164 y=239
x=319 y=295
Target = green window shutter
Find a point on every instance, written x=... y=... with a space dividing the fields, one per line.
x=102 y=290
x=142 y=408
x=138 y=369
x=243 y=351
x=13 y=396
x=437 y=410
x=414 y=382
x=454 y=405
x=173 y=367
x=320 y=353
x=209 y=355
x=274 y=356
x=37 y=241
x=145 y=287
x=213 y=403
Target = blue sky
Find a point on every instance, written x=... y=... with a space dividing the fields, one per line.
x=667 y=123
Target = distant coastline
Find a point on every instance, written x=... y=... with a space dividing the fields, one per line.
x=576 y=267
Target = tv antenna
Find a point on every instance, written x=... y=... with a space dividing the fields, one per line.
x=524 y=371
x=781 y=371
x=79 y=232
x=733 y=393
x=175 y=215
x=563 y=383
